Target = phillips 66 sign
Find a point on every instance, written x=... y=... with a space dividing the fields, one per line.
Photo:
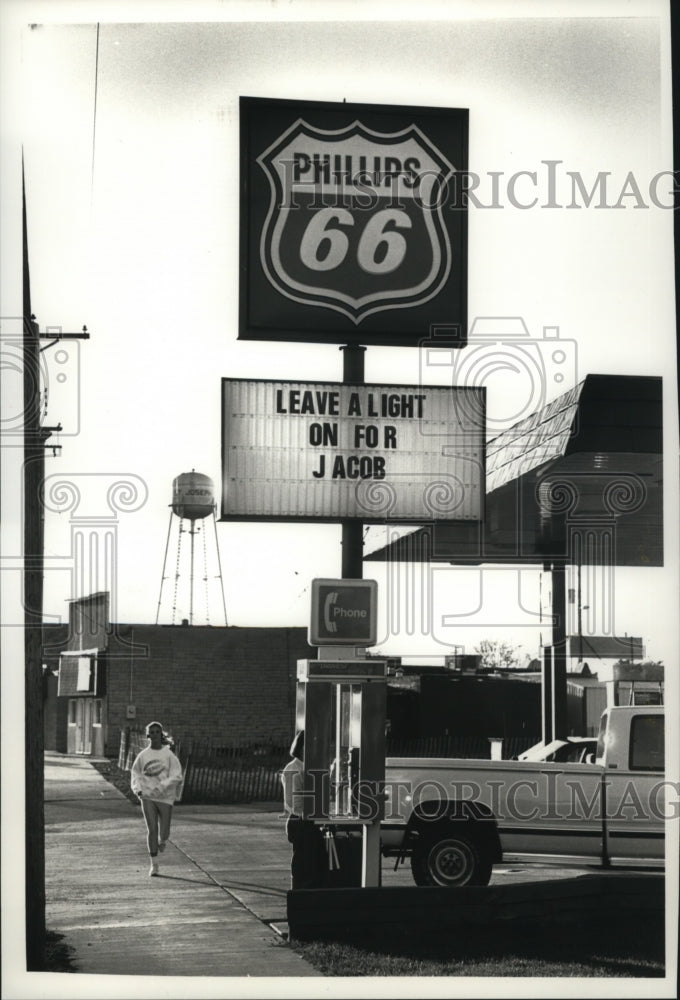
x=353 y=228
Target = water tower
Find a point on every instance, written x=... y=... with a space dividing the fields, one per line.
x=193 y=502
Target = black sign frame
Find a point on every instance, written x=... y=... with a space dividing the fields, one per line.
x=276 y=302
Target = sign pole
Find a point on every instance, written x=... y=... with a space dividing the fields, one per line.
x=352 y=568
x=559 y=611
x=352 y=531
x=554 y=667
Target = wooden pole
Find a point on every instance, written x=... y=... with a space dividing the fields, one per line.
x=33 y=476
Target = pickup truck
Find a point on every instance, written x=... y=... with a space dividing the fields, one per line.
x=455 y=819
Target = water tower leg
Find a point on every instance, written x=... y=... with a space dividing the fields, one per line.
x=219 y=567
x=165 y=562
x=192 y=532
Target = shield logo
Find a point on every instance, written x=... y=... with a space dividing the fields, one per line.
x=355 y=222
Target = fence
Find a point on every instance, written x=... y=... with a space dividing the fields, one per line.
x=466 y=747
x=252 y=773
x=219 y=774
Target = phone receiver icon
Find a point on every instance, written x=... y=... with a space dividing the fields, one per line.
x=328 y=604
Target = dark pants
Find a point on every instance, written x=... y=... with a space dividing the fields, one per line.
x=306 y=867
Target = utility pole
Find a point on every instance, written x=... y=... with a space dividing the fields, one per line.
x=35 y=437
x=33 y=476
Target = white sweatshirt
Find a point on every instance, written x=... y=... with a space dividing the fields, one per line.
x=156 y=775
x=291 y=779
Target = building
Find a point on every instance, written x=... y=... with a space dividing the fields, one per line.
x=230 y=686
x=636 y=684
x=226 y=685
x=586 y=701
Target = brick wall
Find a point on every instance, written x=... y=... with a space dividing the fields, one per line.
x=223 y=684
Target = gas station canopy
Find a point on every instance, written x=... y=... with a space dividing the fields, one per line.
x=580 y=480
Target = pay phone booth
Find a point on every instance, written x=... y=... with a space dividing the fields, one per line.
x=341 y=704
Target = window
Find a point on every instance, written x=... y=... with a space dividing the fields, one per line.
x=84 y=673
x=601 y=735
x=97 y=712
x=647 y=698
x=72 y=712
x=647 y=743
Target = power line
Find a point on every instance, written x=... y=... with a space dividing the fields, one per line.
x=94 y=115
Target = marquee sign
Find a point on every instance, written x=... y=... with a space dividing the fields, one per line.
x=352 y=224
x=330 y=451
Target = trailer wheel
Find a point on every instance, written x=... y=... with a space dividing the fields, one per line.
x=450 y=860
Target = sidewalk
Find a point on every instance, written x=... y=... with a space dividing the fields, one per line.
x=217 y=909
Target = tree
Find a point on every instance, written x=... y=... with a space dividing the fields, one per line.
x=498 y=655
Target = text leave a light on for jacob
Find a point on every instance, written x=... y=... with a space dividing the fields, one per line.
x=330 y=451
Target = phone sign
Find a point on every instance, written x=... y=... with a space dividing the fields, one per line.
x=344 y=612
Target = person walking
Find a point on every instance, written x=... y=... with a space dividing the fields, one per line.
x=156 y=778
x=303 y=834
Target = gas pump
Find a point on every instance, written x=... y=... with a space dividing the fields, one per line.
x=342 y=707
x=341 y=704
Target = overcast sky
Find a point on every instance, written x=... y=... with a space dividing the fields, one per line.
x=131 y=151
